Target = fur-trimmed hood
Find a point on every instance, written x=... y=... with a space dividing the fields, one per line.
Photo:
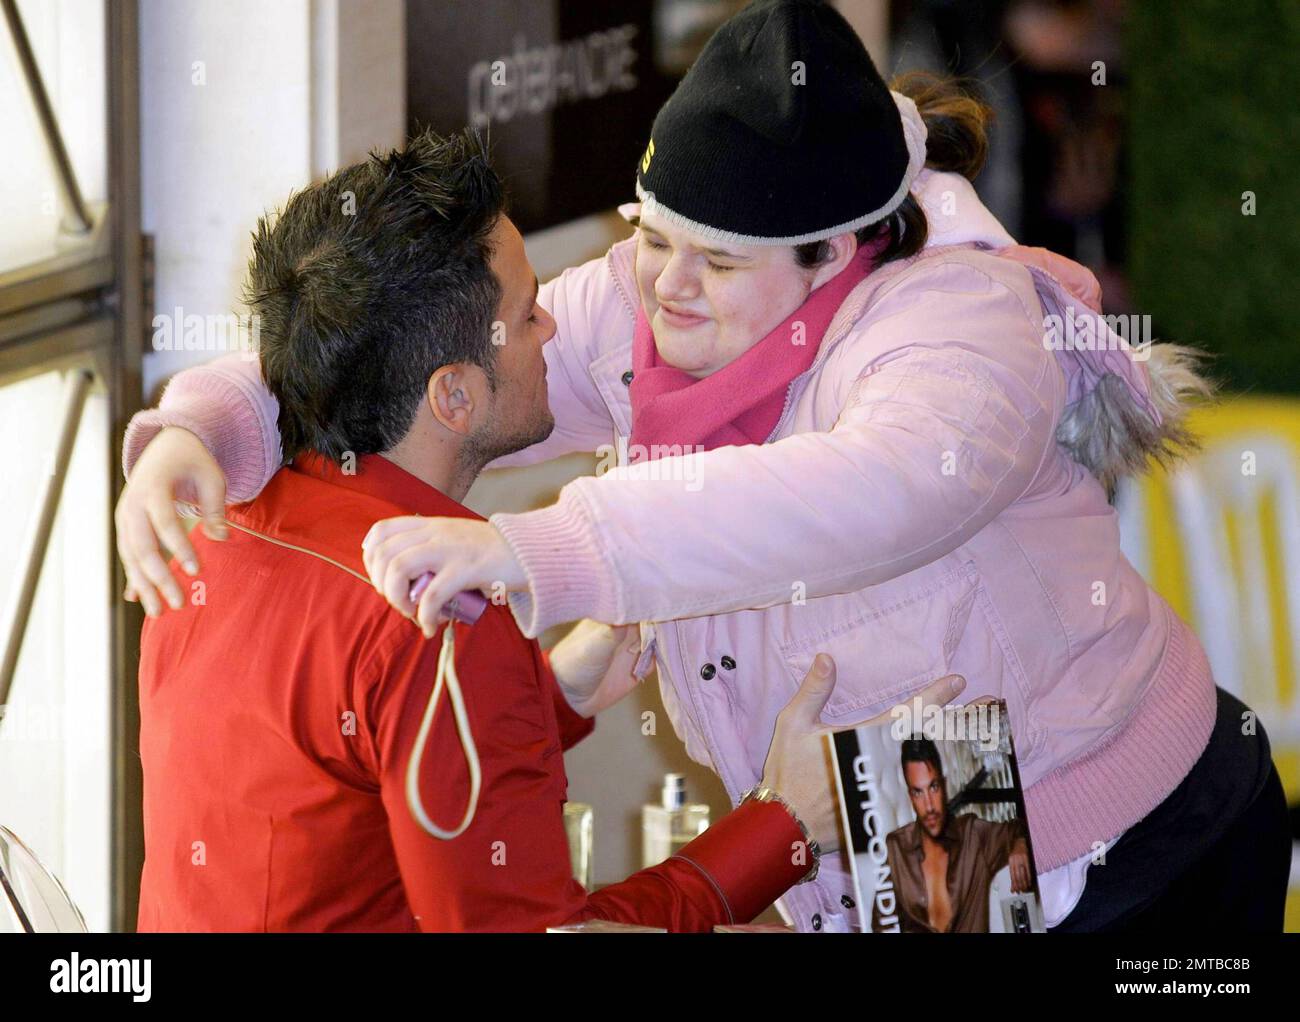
x=1128 y=402
x=1129 y=397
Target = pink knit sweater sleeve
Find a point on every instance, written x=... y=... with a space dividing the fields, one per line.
x=960 y=370
x=227 y=406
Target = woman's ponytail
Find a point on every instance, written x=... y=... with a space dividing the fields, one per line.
x=956 y=122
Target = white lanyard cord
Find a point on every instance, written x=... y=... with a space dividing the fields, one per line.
x=446 y=675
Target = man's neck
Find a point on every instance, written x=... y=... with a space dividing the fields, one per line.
x=433 y=460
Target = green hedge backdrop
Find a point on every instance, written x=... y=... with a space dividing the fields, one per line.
x=1214 y=111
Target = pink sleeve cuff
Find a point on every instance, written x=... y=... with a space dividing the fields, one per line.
x=567 y=572
x=230 y=412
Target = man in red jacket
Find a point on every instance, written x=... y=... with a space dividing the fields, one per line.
x=280 y=707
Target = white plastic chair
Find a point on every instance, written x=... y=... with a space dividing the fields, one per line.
x=32 y=900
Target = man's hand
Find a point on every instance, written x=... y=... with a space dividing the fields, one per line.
x=593 y=664
x=800 y=760
x=462 y=554
x=174 y=466
x=1018 y=860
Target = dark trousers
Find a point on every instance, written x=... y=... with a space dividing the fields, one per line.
x=1215 y=856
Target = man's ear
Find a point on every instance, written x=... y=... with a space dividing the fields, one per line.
x=453 y=393
x=843 y=248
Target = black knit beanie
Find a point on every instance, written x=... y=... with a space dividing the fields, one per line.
x=781 y=133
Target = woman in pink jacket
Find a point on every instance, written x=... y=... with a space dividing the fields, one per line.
x=850 y=415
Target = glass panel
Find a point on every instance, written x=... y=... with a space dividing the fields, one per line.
x=55 y=776
x=67 y=37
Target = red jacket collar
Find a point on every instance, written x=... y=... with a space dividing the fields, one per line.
x=315 y=505
x=376 y=476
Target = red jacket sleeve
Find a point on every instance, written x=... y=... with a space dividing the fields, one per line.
x=729 y=874
x=510 y=868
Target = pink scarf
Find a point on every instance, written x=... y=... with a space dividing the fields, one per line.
x=741 y=402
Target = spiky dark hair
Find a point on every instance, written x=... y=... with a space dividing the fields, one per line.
x=368 y=282
x=920 y=750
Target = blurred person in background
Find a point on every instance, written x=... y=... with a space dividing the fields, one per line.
x=1071 y=83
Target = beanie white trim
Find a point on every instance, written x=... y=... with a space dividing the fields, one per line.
x=914 y=134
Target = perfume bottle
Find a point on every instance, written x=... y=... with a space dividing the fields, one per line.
x=578 y=820
x=671 y=824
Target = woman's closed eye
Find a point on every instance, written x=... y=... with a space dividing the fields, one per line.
x=711 y=264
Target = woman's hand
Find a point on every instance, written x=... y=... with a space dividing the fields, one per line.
x=799 y=761
x=462 y=554
x=173 y=466
x=593 y=664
